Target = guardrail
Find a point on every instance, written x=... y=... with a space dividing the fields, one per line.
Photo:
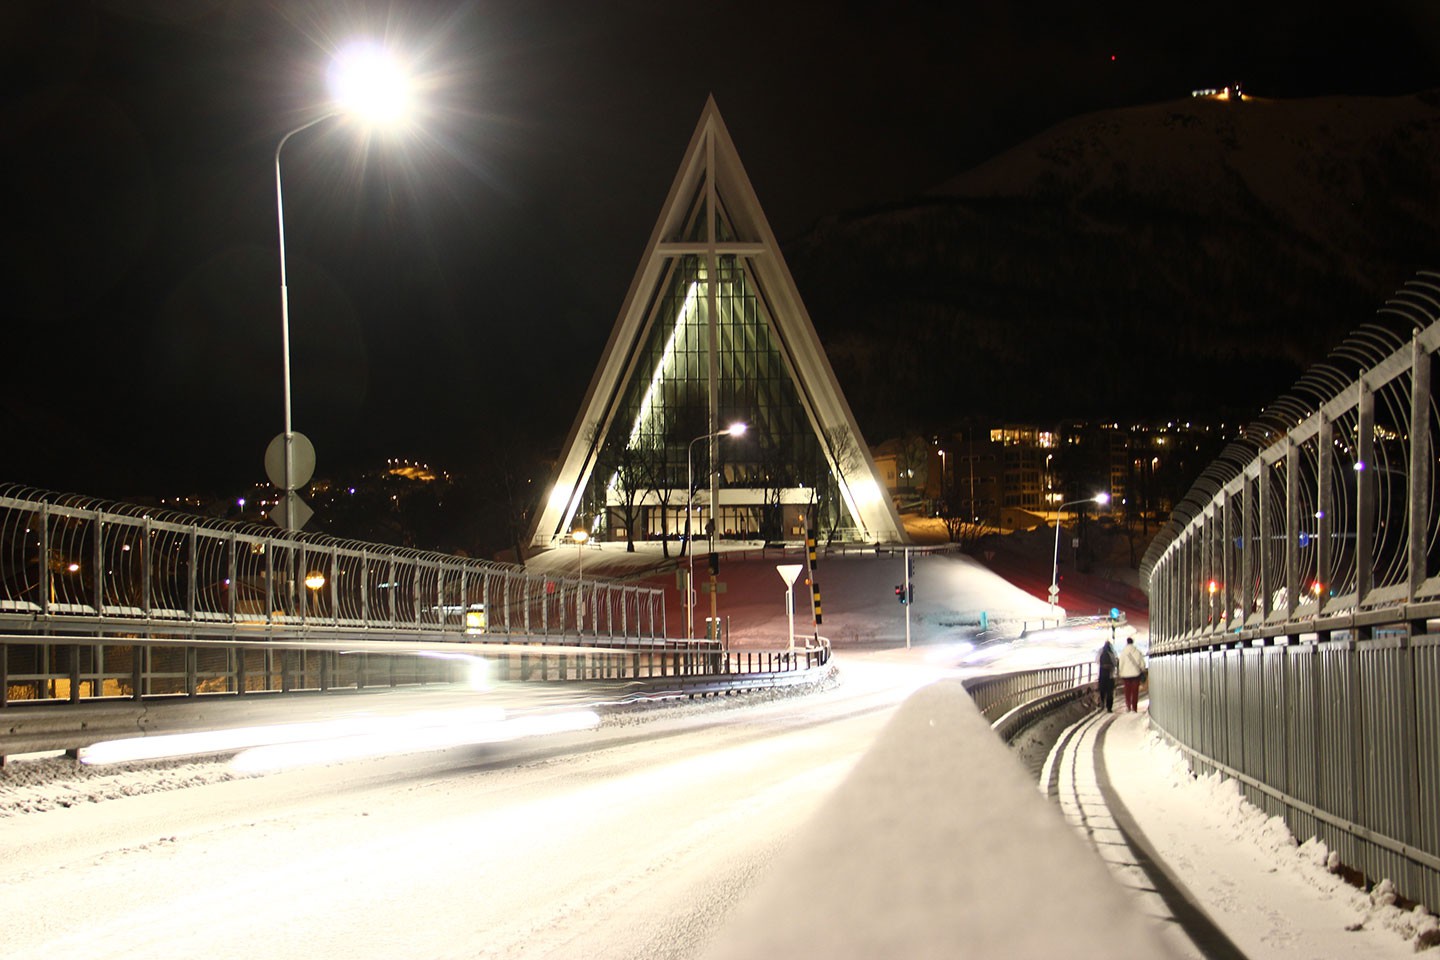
x=1011 y=701
x=91 y=566
x=680 y=670
x=1290 y=600
x=121 y=575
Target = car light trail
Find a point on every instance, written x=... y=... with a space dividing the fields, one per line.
x=407 y=738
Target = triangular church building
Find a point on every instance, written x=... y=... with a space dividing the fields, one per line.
x=712 y=334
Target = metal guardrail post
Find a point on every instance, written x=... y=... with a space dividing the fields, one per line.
x=43 y=560
x=1365 y=473
x=97 y=565
x=1421 y=466
x=192 y=574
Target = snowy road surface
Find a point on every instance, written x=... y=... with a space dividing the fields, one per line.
x=630 y=841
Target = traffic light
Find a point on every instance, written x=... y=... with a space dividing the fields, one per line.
x=900 y=593
x=715 y=564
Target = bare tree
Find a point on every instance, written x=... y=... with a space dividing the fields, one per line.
x=913 y=460
x=776 y=474
x=848 y=458
x=962 y=524
x=962 y=528
x=655 y=470
x=621 y=469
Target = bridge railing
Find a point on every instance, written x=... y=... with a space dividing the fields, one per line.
x=1014 y=698
x=1291 y=600
x=75 y=565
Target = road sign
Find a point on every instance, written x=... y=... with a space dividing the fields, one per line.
x=281 y=517
x=302 y=460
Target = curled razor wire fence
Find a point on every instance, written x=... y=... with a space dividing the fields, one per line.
x=1293 y=600
x=101 y=599
x=91 y=566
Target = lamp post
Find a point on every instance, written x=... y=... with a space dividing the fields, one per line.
x=365 y=81
x=315 y=582
x=942 y=475
x=734 y=430
x=580 y=535
x=1101 y=498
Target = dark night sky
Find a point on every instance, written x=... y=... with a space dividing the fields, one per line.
x=451 y=289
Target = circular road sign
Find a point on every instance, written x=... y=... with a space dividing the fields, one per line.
x=302 y=457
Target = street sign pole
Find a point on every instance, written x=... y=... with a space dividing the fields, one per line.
x=788 y=572
x=908 y=595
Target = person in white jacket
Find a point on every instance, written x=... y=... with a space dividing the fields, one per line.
x=1132 y=668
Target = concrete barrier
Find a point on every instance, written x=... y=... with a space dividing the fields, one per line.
x=937 y=845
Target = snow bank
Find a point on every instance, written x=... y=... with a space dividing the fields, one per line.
x=1312 y=861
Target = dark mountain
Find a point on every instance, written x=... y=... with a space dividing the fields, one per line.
x=1185 y=259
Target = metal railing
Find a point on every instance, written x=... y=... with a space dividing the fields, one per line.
x=1290 y=600
x=1001 y=698
x=87 y=585
x=91 y=565
x=184 y=689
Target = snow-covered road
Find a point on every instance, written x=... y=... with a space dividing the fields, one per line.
x=633 y=840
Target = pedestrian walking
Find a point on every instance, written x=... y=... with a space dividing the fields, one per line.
x=1108 y=661
x=1132 y=668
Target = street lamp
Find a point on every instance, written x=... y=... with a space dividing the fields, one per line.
x=315 y=581
x=1100 y=498
x=364 y=82
x=942 y=475
x=580 y=535
x=734 y=430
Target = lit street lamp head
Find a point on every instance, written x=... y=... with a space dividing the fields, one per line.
x=365 y=80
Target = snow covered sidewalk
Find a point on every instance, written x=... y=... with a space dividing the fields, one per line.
x=1268 y=895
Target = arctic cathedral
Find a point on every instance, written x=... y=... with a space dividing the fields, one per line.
x=714 y=410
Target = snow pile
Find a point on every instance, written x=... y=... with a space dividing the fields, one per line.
x=35 y=786
x=1311 y=861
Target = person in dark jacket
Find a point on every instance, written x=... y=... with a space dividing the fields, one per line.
x=1107 y=661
